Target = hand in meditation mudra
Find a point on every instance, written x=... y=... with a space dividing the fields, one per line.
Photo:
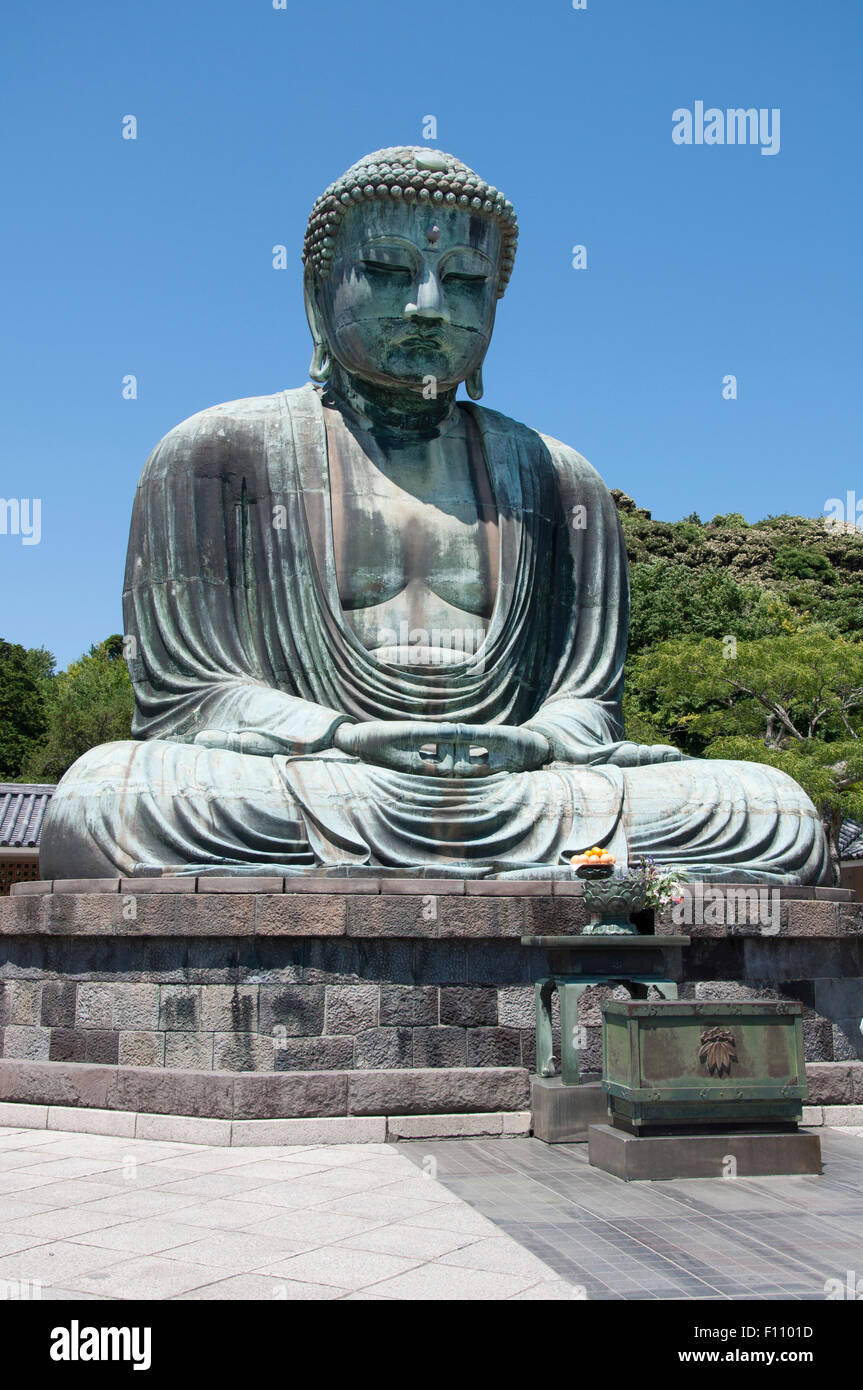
x=379 y=629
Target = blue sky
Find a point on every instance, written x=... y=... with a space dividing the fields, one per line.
x=154 y=256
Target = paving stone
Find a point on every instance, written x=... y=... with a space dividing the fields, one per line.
x=447 y=1283
x=55 y=1260
x=343 y=1267
x=246 y=1287
x=411 y=1241
x=147 y=1277
x=496 y=1255
x=142 y=1237
x=552 y=1289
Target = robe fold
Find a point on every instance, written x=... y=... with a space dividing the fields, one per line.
x=240 y=643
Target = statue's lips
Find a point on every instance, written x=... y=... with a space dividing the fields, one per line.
x=423 y=340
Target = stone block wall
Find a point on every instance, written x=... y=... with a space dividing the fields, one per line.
x=239 y=975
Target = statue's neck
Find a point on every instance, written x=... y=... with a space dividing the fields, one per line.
x=389 y=408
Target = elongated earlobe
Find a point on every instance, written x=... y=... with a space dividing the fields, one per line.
x=473 y=384
x=321 y=363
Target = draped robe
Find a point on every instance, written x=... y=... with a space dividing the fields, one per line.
x=232 y=603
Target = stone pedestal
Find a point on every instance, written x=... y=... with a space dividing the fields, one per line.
x=183 y=989
x=562 y=1114
x=731 y=1155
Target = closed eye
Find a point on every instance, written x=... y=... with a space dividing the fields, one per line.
x=384 y=268
x=465 y=279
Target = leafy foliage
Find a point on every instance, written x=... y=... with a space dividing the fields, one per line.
x=23 y=720
x=91 y=702
x=794 y=701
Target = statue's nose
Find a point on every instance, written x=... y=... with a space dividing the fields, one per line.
x=428 y=307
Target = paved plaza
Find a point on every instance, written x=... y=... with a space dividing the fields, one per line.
x=87 y=1216
x=96 y=1217
x=715 y=1238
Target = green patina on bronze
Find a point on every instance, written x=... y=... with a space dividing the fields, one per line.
x=700 y=1064
x=374 y=628
x=577 y=962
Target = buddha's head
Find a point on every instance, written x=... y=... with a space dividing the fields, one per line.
x=406 y=256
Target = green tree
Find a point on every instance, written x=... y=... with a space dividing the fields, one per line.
x=675 y=600
x=794 y=701
x=23 y=719
x=89 y=703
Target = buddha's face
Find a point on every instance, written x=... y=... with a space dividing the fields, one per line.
x=411 y=293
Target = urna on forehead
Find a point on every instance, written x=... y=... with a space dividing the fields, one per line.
x=417 y=177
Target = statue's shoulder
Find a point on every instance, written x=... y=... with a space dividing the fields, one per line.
x=234 y=431
x=570 y=467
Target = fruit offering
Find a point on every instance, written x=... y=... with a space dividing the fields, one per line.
x=593 y=858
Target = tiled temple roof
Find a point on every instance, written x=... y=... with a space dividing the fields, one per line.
x=22 y=813
x=851 y=840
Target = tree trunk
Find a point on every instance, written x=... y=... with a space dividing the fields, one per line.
x=831 y=821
